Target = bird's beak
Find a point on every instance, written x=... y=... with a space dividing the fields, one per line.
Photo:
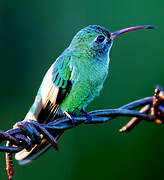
x=122 y=31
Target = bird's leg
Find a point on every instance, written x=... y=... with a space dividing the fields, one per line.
x=87 y=115
x=134 y=121
x=9 y=163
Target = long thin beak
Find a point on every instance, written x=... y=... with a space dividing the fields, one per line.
x=119 y=32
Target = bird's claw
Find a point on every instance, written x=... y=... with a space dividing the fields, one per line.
x=70 y=117
x=88 y=117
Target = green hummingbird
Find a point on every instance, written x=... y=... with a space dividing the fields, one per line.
x=73 y=80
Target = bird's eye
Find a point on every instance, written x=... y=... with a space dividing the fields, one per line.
x=100 y=39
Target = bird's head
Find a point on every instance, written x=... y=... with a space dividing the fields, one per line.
x=96 y=40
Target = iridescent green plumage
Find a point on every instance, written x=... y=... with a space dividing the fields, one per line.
x=78 y=73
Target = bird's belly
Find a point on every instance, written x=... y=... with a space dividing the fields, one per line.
x=81 y=94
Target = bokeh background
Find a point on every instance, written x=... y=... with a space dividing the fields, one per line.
x=33 y=34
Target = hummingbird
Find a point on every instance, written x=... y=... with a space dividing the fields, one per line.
x=73 y=80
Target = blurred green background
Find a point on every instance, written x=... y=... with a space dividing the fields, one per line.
x=33 y=34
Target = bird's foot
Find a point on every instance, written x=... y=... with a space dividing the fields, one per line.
x=88 y=116
x=70 y=117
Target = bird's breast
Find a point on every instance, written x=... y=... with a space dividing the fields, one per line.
x=93 y=73
x=98 y=72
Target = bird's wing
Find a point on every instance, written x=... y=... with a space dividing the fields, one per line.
x=54 y=88
x=46 y=107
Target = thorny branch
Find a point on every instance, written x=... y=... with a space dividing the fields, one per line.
x=151 y=109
